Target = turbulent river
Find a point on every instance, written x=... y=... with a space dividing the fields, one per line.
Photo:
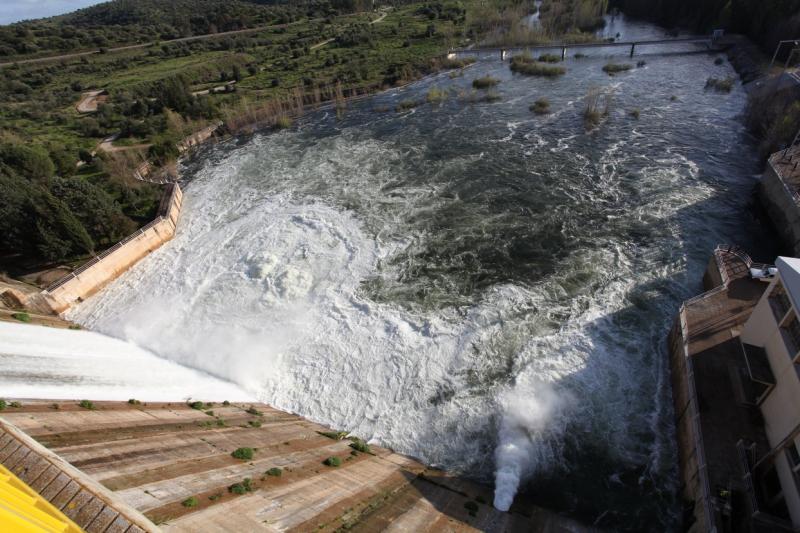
x=483 y=288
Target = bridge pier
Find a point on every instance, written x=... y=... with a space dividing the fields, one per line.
x=633 y=46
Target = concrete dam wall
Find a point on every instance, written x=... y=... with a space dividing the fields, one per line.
x=106 y=267
x=781 y=201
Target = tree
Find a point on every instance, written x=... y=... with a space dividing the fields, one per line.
x=32 y=162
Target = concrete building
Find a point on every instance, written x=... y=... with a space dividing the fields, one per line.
x=770 y=342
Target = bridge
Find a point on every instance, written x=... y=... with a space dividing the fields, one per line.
x=708 y=41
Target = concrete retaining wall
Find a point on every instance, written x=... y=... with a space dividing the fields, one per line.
x=782 y=207
x=97 y=273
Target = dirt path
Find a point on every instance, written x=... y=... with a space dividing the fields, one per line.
x=90 y=100
x=326 y=41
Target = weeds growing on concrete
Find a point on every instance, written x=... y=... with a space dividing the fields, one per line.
x=22 y=317
x=332 y=461
x=190 y=502
x=245 y=454
x=241 y=488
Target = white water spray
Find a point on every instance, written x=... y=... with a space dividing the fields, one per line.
x=533 y=414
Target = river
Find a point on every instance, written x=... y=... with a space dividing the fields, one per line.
x=481 y=287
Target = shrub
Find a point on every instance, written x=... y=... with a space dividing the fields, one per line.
x=549 y=58
x=22 y=317
x=360 y=445
x=274 y=472
x=485 y=82
x=332 y=461
x=15 y=404
x=254 y=423
x=253 y=411
x=3 y=405
x=86 y=404
x=209 y=412
x=523 y=64
x=241 y=488
x=405 y=105
x=245 y=454
x=614 y=68
x=197 y=405
x=190 y=502
x=283 y=122
x=226 y=403
x=134 y=402
x=462 y=62
x=216 y=496
x=436 y=95
x=597 y=107
x=722 y=85
x=335 y=435
x=540 y=106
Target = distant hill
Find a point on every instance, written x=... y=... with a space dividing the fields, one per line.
x=122 y=22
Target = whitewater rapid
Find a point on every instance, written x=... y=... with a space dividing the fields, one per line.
x=471 y=284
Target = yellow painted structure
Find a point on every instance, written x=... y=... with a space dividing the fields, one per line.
x=23 y=510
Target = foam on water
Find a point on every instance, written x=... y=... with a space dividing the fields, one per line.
x=496 y=308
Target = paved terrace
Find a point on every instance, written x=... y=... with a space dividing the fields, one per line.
x=725 y=399
x=787 y=166
x=154 y=456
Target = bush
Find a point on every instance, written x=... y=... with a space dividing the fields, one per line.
x=241 y=488
x=245 y=454
x=436 y=95
x=614 y=68
x=86 y=404
x=540 y=106
x=134 y=402
x=197 y=405
x=283 y=122
x=360 y=445
x=274 y=472
x=226 y=403
x=524 y=64
x=22 y=317
x=332 y=461
x=549 y=58
x=15 y=404
x=405 y=105
x=254 y=423
x=3 y=404
x=722 y=85
x=253 y=411
x=447 y=63
x=335 y=435
x=190 y=502
x=485 y=83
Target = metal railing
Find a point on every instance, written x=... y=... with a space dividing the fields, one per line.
x=163 y=215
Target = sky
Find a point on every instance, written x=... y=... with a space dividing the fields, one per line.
x=16 y=10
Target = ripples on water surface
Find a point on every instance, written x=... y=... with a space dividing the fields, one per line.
x=461 y=280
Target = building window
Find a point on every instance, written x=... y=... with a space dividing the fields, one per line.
x=790 y=330
x=779 y=301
